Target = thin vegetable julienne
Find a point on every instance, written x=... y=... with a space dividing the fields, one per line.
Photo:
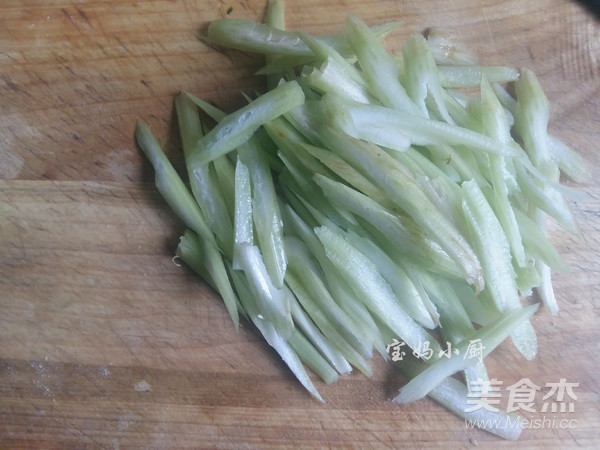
x=441 y=195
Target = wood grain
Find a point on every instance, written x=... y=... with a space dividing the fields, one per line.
x=91 y=303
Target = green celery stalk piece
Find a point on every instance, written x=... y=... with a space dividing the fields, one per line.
x=243 y=223
x=471 y=76
x=203 y=179
x=406 y=293
x=422 y=79
x=406 y=193
x=312 y=332
x=493 y=251
x=377 y=295
x=326 y=327
x=344 y=296
x=496 y=125
x=454 y=396
x=250 y=36
x=489 y=336
x=170 y=185
x=272 y=336
x=377 y=66
x=265 y=210
x=309 y=355
x=180 y=200
x=417 y=129
x=237 y=127
x=204 y=257
x=308 y=274
x=400 y=233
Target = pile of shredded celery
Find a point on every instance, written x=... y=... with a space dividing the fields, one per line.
x=367 y=197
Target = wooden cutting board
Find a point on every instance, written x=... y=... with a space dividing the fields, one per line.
x=106 y=343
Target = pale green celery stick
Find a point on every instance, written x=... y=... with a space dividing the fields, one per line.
x=185 y=207
x=282 y=64
x=305 y=188
x=312 y=358
x=200 y=251
x=455 y=323
x=190 y=253
x=401 y=234
x=421 y=77
x=405 y=192
x=312 y=332
x=294 y=202
x=471 y=76
x=495 y=124
x=213 y=112
x=459 y=113
x=406 y=293
x=348 y=173
x=489 y=337
x=480 y=308
x=328 y=330
x=528 y=278
x=336 y=73
x=242 y=219
x=327 y=78
x=237 y=127
x=447 y=52
x=308 y=273
x=225 y=172
x=537 y=243
x=532 y=120
x=289 y=141
x=569 y=162
x=341 y=65
x=548 y=200
x=420 y=130
x=454 y=396
x=271 y=335
x=203 y=179
x=265 y=211
x=378 y=67
x=275 y=18
x=274 y=303
x=377 y=295
x=250 y=36
x=493 y=251
x=307 y=119
x=339 y=290
x=170 y=185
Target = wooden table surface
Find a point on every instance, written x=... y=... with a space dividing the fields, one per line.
x=105 y=343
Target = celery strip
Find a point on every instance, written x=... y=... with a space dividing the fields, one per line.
x=237 y=127
x=312 y=332
x=307 y=273
x=472 y=76
x=212 y=261
x=418 y=130
x=453 y=395
x=349 y=352
x=273 y=302
x=489 y=336
x=378 y=68
x=406 y=193
x=273 y=338
x=265 y=210
x=364 y=278
x=203 y=179
x=250 y=36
